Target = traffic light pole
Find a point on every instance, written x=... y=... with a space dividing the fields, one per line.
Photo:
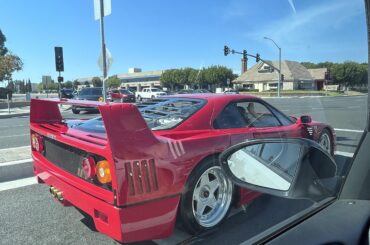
x=264 y=61
x=279 y=83
x=103 y=49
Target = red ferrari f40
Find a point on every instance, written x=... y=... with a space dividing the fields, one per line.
x=136 y=169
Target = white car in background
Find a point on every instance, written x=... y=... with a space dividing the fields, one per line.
x=149 y=93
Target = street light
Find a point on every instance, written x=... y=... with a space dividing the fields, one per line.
x=279 y=63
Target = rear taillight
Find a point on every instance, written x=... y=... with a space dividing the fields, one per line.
x=37 y=142
x=88 y=167
x=103 y=172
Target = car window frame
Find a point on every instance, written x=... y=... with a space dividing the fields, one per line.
x=254 y=100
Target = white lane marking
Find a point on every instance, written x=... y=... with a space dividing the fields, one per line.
x=15 y=154
x=14 y=126
x=15 y=148
x=349 y=130
x=317 y=108
x=343 y=153
x=3 y=164
x=17 y=183
x=10 y=136
x=354 y=107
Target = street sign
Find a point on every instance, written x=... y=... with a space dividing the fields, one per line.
x=108 y=58
x=107 y=5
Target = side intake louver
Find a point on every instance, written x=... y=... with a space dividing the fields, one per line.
x=141 y=177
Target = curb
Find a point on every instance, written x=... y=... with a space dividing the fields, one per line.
x=14 y=115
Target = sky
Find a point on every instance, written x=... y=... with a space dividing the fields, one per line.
x=163 y=34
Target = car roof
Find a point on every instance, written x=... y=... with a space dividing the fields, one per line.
x=212 y=96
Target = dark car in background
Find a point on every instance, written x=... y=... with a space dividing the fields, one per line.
x=121 y=95
x=93 y=94
x=66 y=93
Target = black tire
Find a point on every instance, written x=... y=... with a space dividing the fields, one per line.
x=139 y=98
x=187 y=204
x=326 y=136
x=75 y=111
x=153 y=97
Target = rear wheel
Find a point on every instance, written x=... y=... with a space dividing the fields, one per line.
x=207 y=199
x=326 y=142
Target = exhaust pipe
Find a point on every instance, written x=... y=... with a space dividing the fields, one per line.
x=59 y=196
x=56 y=193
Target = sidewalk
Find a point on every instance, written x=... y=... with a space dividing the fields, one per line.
x=15 y=112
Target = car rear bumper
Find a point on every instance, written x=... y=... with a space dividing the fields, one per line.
x=137 y=222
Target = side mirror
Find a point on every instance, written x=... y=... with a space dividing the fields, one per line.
x=306 y=119
x=291 y=168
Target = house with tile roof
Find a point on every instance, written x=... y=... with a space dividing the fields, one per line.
x=263 y=77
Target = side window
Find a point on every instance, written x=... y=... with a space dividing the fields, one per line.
x=230 y=117
x=282 y=118
x=257 y=115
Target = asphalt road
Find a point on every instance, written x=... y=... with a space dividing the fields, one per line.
x=28 y=215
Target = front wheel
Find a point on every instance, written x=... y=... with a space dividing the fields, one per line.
x=207 y=199
x=326 y=142
x=138 y=98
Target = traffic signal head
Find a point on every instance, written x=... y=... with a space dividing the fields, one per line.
x=226 y=50
x=244 y=54
x=59 y=65
x=257 y=57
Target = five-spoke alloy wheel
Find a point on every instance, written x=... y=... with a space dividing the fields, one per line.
x=208 y=197
x=325 y=141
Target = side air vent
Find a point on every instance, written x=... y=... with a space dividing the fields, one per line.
x=141 y=177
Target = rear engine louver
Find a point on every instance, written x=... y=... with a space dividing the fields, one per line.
x=141 y=177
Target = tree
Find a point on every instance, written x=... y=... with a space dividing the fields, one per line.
x=11 y=86
x=167 y=79
x=9 y=62
x=76 y=83
x=349 y=74
x=218 y=75
x=3 y=49
x=29 y=86
x=68 y=84
x=113 y=82
x=97 y=82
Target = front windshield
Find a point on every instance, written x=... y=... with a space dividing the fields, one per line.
x=205 y=76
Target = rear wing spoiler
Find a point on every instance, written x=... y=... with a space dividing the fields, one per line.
x=128 y=134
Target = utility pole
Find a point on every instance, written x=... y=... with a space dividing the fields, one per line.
x=103 y=49
x=279 y=81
